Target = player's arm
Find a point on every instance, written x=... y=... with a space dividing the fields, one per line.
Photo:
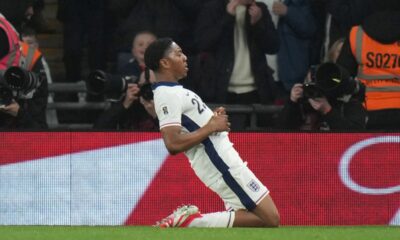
x=177 y=142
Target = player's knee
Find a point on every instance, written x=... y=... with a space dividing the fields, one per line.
x=273 y=220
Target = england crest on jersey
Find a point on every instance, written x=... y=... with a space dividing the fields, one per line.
x=253 y=186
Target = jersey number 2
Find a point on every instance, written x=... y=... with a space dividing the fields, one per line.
x=200 y=107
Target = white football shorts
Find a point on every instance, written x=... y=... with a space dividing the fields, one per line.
x=241 y=190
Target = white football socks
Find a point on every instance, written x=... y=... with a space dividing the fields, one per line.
x=214 y=220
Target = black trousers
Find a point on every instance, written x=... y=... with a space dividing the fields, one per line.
x=83 y=28
x=386 y=120
x=240 y=121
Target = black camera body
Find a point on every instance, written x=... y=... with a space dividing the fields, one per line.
x=311 y=90
x=6 y=95
x=114 y=87
x=18 y=83
x=146 y=92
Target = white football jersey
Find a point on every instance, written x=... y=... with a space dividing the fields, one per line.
x=177 y=106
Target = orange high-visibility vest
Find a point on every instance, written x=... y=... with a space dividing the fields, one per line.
x=29 y=56
x=378 y=69
x=20 y=53
x=12 y=58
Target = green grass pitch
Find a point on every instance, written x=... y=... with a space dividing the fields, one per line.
x=150 y=233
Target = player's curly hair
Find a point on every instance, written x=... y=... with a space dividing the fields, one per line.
x=155 y=52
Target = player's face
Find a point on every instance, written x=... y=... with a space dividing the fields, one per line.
x=178 y=61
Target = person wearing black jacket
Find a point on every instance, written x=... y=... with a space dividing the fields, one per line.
x=134 y=112
x=323 y=107
x=215 y=34
x=384 y=27
x=118 y=117
x=238 y=34
x=83 y=26
x=27 y=113
x=165 y=18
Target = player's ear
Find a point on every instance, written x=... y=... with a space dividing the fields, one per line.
x=164 y=63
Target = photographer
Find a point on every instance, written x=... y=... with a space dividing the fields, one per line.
x=328 y=100
x=135 y=108
x=23 y=84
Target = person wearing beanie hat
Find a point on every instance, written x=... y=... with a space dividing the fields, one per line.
x=372 y=55
x=328 y=100
x=188 y=125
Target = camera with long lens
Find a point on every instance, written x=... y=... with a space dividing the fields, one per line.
x=19 y=79
x=114 y=87
x=332 y=81
x=18 y=83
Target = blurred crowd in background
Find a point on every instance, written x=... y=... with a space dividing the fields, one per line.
x=330 y=64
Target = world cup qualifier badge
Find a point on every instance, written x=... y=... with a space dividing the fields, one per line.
x=254 y=186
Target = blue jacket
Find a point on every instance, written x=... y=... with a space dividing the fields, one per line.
x=296 y=30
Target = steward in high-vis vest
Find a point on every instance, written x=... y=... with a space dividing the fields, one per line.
x=10 y=50
x=27 y=109
x=372 y=55
x=378 y=69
